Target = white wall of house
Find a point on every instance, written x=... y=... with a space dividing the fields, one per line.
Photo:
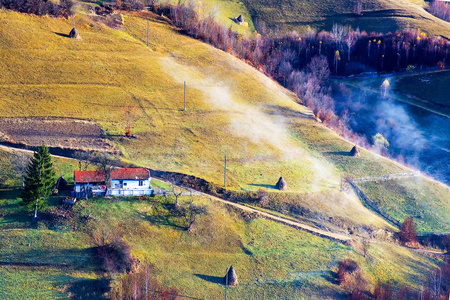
x=130 y=184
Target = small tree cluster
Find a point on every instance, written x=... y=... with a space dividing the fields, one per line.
x=351 y=278
x=142 y=285
x=40 y=7
x=115 y=257
x=440 y=9
x=407 y=233
x=129 y=5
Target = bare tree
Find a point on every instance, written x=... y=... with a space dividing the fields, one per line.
x=105 y=163
x=192 y=211
x=84 y=160
x=130 y=114
x=337 y=33
x=350 y=41
x=176 y=192
x=20 y=162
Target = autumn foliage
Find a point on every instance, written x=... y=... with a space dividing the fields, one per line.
x=407 y=233
x=351 y=278
x=142 y=285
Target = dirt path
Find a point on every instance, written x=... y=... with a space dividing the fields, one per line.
x=285 y=221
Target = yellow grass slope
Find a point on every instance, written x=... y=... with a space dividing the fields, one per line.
x=232 y=109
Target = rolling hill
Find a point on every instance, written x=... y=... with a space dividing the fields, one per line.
x=233 y=110
x=379 y=16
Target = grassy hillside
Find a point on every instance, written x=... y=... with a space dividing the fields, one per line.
x=56 y=259
x=379 y=16
x=232 y=109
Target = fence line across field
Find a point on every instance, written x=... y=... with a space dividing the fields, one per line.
x=386 y=177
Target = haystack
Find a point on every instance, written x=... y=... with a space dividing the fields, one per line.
x=355 y=151
x=232 y=277
x=281 y=184
x=74 y=34
x=61 y=183
x=240 y=20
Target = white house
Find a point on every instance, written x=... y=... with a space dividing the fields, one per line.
x=123 y=182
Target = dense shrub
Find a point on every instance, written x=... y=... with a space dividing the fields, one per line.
x=40 y=7
x=351 y=278
x=115 y=257
x=407 y=233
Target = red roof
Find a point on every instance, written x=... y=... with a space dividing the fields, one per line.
x=116 y=174
x=89 y=176
x=130 y=173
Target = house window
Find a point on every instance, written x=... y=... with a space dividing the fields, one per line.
x=141 y=183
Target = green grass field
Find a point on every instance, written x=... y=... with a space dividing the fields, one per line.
x=404 y=198
x=271 y=260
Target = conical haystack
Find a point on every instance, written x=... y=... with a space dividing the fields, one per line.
x=232 y=279
x=61 y=183
x=74 y=34
x=281 y=184
x=355 y=151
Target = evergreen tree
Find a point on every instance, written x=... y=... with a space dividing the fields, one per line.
x=39 y=180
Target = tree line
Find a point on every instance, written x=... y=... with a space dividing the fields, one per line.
x=40 y=7
x=440 y=9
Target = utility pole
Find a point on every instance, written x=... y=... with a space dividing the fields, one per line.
x=225 y=173
x=226 y=285
x=148 y=32
x=185 y=95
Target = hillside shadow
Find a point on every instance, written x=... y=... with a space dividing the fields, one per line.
x=10 y=194
x=330 y=277
x=341 y=153
x=268 y=186
x=73 y=259
x=94 y=289
x=245 y=249
x=166 y=215
x=286 y=112
x=212 y=279
x=62 y=34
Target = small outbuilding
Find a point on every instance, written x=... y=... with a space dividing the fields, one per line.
x=355 y=152
x=281 y=184
x=231 y=278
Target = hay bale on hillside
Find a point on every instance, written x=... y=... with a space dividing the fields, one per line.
x=232 y=279
x=281 y=184
x=74 y=34
x=355 y=152
x=240 y=21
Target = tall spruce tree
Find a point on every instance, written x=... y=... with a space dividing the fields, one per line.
x=39 y=180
